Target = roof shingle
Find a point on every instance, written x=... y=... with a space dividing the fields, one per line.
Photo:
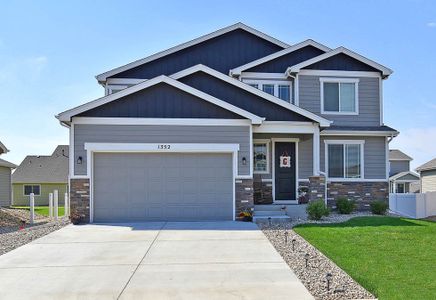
x=395 y=154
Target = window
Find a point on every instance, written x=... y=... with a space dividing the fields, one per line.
x=344 y=159
x=280 y=89
x=400 y=188
x=339 y=96
x=35 y=189
x=261 y=156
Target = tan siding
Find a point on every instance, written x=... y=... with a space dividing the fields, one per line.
x=428 y=181
x=20 y=200
x=5 y=186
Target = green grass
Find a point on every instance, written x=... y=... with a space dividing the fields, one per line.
x=394 y=258
x=43 y=210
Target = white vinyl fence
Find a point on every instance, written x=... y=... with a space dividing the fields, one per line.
x=414 y=206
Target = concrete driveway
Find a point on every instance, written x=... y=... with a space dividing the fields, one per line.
x=201 y=260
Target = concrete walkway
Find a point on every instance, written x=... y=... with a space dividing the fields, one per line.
x=202 y=260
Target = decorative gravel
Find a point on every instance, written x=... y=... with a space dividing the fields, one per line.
x=11 y=236
x=342 y=286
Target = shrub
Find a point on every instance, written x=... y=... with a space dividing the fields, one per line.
x=317 y=209
x=379 y=207
x=345 y=206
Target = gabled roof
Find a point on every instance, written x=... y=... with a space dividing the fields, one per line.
x=102 y=77
x=3 y=148
x=4 y=163
x=67 y=115
x=237 y=71
x=402 y=174
x=202 y=68
x=296 y=68
x=396 y=154
x=43 y=169
x=430 y=165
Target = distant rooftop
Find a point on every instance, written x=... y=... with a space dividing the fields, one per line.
x=396 y=154
x=44 y=169
x=431 y=165
x=3 y=148
x=4 y=163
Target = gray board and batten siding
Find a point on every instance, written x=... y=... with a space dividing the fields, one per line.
x=85 y=133
x=222 y=53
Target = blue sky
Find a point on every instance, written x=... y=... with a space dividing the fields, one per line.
x=50 y=52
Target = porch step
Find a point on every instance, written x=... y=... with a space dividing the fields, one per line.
x=274 y=219
x=269 y=207
x=264 y=213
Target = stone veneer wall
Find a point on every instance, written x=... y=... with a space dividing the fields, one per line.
x=244 y=195
x=262 y=191
x=362 y=192
x=79 y=197
x=316 y=188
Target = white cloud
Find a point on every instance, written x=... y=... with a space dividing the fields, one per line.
x=431 y=24
x=419 y=143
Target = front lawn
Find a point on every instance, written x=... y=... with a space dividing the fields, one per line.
x=394 y=258
x=42 y=210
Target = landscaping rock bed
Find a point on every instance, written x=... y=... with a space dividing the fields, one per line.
x=15 y=230
x=314 y=276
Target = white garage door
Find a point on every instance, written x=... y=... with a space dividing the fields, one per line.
x=162 y=187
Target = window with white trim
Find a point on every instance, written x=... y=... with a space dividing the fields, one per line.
x=281 y=89
x=344 y=159
x=261 y=157
x=339 y=95
x=35 y=189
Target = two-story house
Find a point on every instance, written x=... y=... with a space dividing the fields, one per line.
x=226 y=121
x=401 y=179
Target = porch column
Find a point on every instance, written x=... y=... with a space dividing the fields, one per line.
x=316 y=152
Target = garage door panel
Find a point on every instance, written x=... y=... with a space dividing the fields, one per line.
x=157 y=187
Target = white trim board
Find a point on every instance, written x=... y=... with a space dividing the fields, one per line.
x=67 y=115
x=202 y=68
x=401 y=174
x=296 y=68
x=357 y=133
x=103 y=76
x=237 y=71
x=161 y=121
x=286 y=127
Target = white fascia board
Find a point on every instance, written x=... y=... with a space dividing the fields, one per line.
x=161 y=121
x=296 y=68
x=102 y=77
x=286 y=127
x=237 y=71
x=124 y=81
x=197 y=68
x=161 y=147
x=66 y=116
x=399 y=175
x=357 y=133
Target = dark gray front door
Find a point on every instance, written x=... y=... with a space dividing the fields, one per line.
x=162 y=187
x=285 y=171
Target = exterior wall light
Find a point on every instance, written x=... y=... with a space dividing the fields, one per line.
x=79 y=160
x=244 y=161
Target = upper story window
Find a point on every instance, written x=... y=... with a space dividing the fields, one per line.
x=339 y=96
x=280 y=89
x=344 y=159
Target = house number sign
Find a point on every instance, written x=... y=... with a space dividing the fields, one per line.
x=285 y=161
x=164 y=147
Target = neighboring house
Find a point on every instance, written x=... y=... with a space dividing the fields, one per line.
x=5 y=178
x=41 y=175
x=427 y=172
x=235 y=118
x=401 y=179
